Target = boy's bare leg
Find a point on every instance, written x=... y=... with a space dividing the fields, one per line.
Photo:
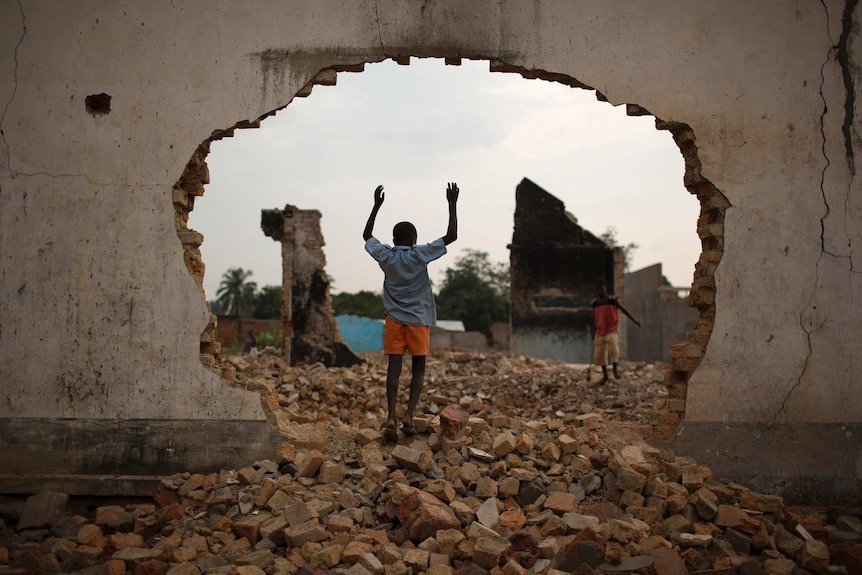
x=393 y=374
x=416 y=382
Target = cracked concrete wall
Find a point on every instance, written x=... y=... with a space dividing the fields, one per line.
x=101 y=320
x=788 y=293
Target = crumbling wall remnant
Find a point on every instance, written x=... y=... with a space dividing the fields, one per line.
x=554 y=263
x=308 y=321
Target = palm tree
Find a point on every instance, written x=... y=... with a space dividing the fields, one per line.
x=235 y=293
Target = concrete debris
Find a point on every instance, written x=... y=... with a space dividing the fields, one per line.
x=496 y=481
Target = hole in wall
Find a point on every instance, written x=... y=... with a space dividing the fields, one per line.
x=98 y=104
x=349 y=183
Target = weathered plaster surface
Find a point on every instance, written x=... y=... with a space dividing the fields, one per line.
x=786 y=306
x=101 y=320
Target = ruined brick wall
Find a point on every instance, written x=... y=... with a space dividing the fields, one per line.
x=553 y=267
x=308 y=320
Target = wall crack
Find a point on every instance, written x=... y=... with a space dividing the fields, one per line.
x=843 y=57
x=804 y=370
x=14 y=85
x=823 y=135
x=839 y=51
x=379 y=29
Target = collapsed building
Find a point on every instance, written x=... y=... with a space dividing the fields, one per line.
x=308 y=326
x=554 y=264
x=107 y=362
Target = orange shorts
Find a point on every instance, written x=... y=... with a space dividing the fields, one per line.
x=398 y=337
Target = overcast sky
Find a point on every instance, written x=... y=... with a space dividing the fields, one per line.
x=413 y=129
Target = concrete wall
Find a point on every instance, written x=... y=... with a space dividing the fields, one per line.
x=101 y=321
x=665 y=317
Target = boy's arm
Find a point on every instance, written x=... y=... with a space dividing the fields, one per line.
x=452 y=198
x=369 y=225
x=628 y=315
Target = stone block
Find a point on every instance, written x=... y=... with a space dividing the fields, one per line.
x=524 y=443
x=561 y=502
x=486 y=487
x=453 y=420
x=448 y=541
x=412 y=459
x=487 y=513
x=730 y=516
x=311 y=531
x=705 y=503
x=504 y=443
x=422 y=515
x=249 y=526
x=330 y=472
x=114 y=517
x=354 y=551
x=308 y=462
x=268 y=486
x=43 y=509
x=416 y=559
x=488 y=551
x=441 y=489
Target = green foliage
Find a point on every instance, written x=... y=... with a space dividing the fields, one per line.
x=267 y=303
x=270 y=339
x=475 y=291
x=610 y=238
x=235 y=295
x=363 y=303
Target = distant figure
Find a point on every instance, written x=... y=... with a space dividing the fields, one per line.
x=606 y=324
x=408 y=301
x=250 y=343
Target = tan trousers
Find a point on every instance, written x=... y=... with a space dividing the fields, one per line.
x=604 y=346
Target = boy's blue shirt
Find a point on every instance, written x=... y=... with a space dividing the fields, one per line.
x=407 y=295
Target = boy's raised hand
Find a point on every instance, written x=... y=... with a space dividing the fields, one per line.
x=378 y=196
x=452 y=192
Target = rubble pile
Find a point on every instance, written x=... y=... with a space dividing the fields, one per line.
x=486 y=486
x=482 y=384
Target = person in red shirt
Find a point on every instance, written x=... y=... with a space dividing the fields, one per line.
x=606 y=325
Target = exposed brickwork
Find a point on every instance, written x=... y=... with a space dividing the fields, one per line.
x=687 y=355
x=553 y=266
x=188 y=187
x=308 y=320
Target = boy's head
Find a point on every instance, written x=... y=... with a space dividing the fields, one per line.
x=601 y=287
x=404 y=234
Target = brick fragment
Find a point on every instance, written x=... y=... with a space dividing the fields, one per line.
x=423 y=515
x=453 y=420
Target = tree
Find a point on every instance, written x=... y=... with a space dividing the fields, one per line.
x=610 y=238
x=267 y=303
x=235 y=294
x=363 y=303
x=475 y=291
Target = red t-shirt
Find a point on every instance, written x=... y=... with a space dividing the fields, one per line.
x=607 y=315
